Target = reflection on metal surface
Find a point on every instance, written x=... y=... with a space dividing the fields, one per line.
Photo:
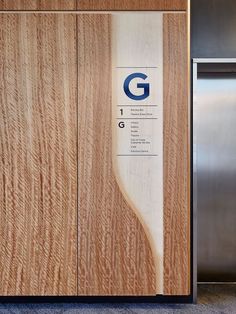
x=214 y=135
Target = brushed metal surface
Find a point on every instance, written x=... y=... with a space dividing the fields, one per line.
x=213 y=24
x=214 y=134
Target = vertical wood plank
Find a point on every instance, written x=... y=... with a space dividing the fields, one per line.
x=140 y=176
x=176 y=157
x=114 y=254
x=37 y=5
x=160 y=5
x=38 y=157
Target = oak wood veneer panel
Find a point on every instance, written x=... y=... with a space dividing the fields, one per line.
x=38 y=157
x=114 y=254
x=176 y=157
x=139 y=166
x=161 y=5
x=37 y=5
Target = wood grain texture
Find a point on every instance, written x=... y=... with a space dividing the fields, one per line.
x=161 y=5
x=115 y=257
x=37 y=5
x=38 y=156
x=140 y=177
x=176 y=157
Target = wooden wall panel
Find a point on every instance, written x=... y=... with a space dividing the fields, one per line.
x=37 y=4
x=114 y=254
x=132 y=5
x=38 y=156
x=176 y=157
x=139 y=166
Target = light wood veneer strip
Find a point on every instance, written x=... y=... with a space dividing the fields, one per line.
x=37 y=5
x=176 y=157
x=114 y=254
x=160 y=5
x=38 y=156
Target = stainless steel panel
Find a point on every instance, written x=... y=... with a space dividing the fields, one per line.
x=214 y=136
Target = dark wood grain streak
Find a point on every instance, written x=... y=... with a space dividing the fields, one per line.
x=176 y=157
x=38 y=158
x=114 y=254
x=132 y=5
x=37 y=5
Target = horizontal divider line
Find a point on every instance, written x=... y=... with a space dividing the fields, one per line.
x=137 y=105
x=136 y=67
x=136 y=118
x=120 y=155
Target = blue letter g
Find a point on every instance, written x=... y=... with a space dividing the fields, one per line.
x=145 y=86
